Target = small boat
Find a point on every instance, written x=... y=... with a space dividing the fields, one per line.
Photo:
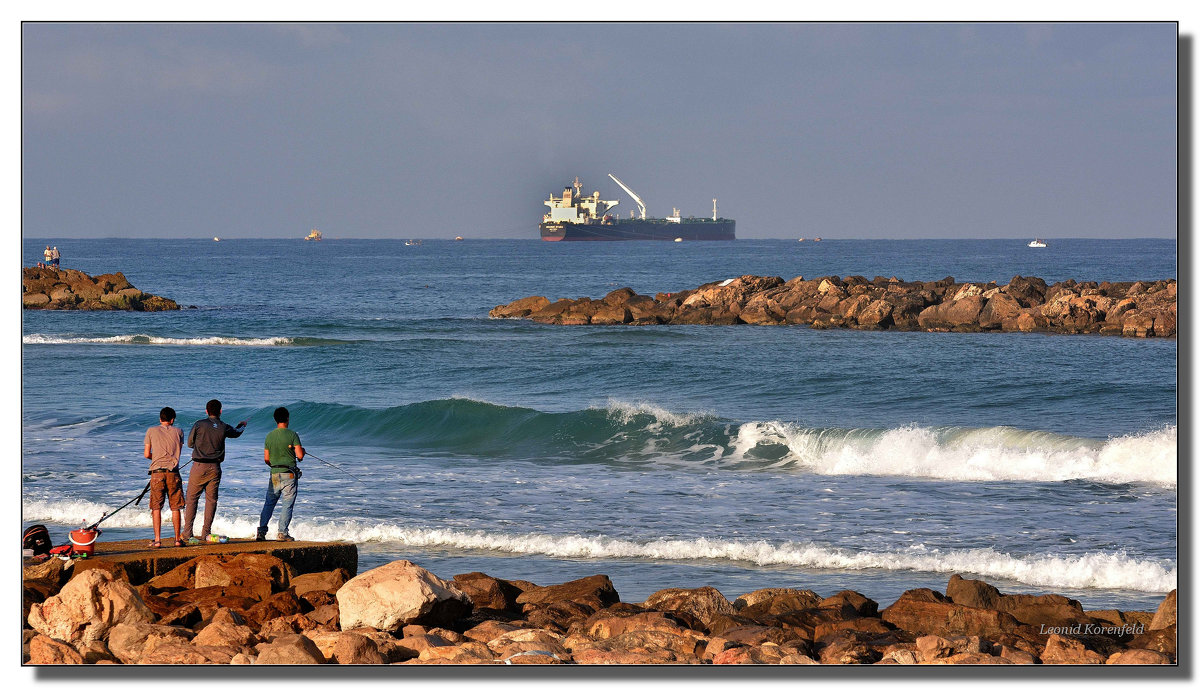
x=458 y=238
x=1037 y=243
x=800 y=239
x=817 y=239
x=413 y=242
x=314 y=235
x=216 y=238
x=678 y=239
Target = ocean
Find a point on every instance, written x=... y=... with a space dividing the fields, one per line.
x=739 y=457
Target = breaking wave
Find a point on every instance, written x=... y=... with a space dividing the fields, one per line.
x=1094 y=570
x=146 y=339
x=646 y=436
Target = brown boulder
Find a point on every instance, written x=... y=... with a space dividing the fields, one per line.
x=520 y=308
x=46 y=650
x=702 y=603
x=487 y=592
x=1164 y=616
x=126 y=641
x=292 y=624
x=1066 y=650
x=289 y=649
x=1139 y=657
x=598 y=585
x=851 y=604
x=228 y=634
x=876 y=315
x=352 y=648
x=960 y=314
x=925 y=612
x=804 y=598
x=87 y=607
x=603 y=625
x=322 y=581
x=280 y=604
x=559 y=616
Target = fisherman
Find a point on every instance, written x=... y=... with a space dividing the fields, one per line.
x=54 y=256
x=281 y=451
x=48 y=255
x=163 y=445
x=207 y=440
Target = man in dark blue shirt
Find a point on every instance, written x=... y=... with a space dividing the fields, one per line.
x=207 y=440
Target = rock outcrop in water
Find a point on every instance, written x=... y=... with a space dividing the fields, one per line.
x=1025 y=304
x=55 y=289
x=254 y=609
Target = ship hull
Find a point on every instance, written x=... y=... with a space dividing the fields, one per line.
x=640 y=230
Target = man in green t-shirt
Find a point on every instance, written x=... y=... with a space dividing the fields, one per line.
x=281 y=452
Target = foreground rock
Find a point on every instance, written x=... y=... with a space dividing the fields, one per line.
x=1025 y=304
x=255 y=609
x=55 y=289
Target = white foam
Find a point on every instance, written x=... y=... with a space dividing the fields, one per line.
x=162 y=341
x=999 y=453
x=1094 y=570
x=625 y=411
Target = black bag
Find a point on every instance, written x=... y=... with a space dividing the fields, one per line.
x=36 y=538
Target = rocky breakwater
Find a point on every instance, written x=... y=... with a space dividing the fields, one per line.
x=55 y=289
x=252 y=609
x=1025 y=304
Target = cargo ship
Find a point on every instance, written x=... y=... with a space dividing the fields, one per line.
x=575 y=217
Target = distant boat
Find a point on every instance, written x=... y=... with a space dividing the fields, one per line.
x=216 y=238
x=800 y=239
x=413 y=242
x=817 y=239
x=314 y=235
x=458 y=238
x=678 y=239
x=1037 y=243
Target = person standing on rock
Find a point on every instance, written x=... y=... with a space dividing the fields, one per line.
x=281 y=451
x=207 y=440
x=54 y=256
x=48 y=255
x=164 y=442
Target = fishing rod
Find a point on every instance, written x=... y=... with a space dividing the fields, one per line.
x=308 y=454
x=104 y=517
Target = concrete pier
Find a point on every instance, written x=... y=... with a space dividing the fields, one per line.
x=141 y=563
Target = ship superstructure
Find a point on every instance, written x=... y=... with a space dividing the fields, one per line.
x=576 y=217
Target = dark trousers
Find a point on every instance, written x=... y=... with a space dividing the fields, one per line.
x=203 y=478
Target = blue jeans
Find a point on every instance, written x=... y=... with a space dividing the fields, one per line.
x=281 y=485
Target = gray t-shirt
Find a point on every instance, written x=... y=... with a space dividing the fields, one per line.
x=165 y=442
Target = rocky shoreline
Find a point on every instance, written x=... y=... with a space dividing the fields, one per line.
x=253 y=608
x=54 y=289
x=1025 y=304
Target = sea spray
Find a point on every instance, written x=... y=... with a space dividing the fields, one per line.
x=1107 y=570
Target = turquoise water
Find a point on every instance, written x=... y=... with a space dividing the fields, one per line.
x=740 y=457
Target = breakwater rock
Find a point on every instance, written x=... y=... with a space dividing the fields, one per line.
x=1025 y=304
x=254 y=608
x=55 y=289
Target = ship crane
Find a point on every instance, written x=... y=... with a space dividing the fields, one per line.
x=636 y=199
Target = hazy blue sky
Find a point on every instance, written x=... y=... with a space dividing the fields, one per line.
x=435 y=130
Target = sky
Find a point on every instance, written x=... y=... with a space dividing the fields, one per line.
x=428 y=130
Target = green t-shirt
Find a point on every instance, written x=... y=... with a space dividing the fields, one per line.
x=278 y=443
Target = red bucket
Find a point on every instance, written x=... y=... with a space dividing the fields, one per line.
x=83 y=541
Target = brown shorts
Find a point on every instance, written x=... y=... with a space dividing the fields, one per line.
x=166 y=485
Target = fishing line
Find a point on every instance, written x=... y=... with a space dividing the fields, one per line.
x=307 y=454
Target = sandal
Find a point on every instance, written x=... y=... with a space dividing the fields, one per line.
x=180 y=543
x=155 y=544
